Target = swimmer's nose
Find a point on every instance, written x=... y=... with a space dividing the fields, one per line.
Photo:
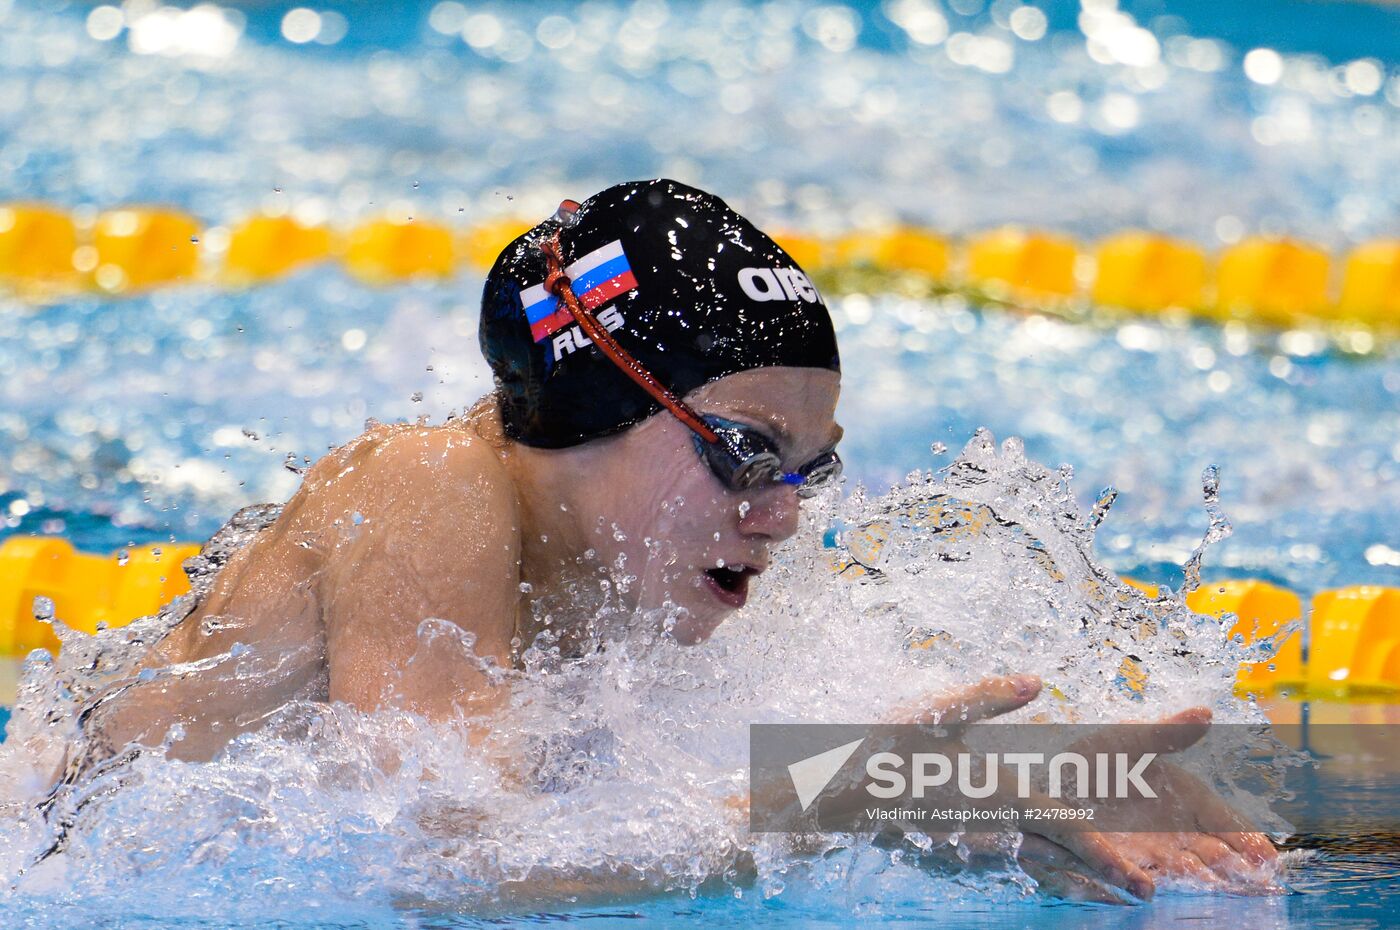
x=772 y=512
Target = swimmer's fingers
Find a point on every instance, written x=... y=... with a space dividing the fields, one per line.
x=1253 y=847
x=990 y=697
x=1172 y=733
x=1069 y=885
x=1061 y=874
x=1253 y=858
x=1249 y=870
x=1200 y=859
x=1253 y=854
x=1228 y=864
x=1105 y=860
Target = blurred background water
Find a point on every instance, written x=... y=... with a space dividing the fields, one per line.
x=154 y=416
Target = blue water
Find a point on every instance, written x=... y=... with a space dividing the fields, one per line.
x=1349 y=878
x=1333 y=28
x=154 y=417
x=117 y=426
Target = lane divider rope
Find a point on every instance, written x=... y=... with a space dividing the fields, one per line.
x=48 y=254
x=1353 y=633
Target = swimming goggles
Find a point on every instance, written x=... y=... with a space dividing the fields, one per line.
x=744 y=458
x=740 y=456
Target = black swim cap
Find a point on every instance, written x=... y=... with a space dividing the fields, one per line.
x=692 y=289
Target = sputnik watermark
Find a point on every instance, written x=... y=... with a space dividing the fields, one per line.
x=930 y=814
x=1116 y=775
x=1131 y=777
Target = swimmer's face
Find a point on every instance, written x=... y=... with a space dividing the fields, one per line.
x=659 y=490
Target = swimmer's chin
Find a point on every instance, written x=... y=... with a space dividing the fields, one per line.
x=698 y=608
x=697 y=622
x=690 y=630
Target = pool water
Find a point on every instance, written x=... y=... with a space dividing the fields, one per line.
x=155 y=416
x=1338 y=881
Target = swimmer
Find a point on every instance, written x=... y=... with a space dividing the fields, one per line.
x=666 y=380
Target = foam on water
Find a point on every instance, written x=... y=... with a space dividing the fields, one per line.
x=623 y=765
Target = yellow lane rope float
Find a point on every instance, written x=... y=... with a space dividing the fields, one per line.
x=1354 y=643
x=42 y=577
x=45 y=253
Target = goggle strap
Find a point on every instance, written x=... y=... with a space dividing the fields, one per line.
x=557 y=283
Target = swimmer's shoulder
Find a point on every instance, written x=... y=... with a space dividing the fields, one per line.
x=455 y=465
x=426 y=525
x=435 y=490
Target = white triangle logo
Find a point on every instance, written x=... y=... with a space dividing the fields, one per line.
x=811 y=775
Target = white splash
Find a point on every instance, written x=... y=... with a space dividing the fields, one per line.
x=626 y=762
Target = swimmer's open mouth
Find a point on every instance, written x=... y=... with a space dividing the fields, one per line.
x=731 y=583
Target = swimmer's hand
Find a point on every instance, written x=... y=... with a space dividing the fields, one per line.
x=1090 y=865
x=1098 y=863
x=953 y=710
x=1240 y=861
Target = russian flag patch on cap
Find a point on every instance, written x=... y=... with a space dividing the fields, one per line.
x=597 y=278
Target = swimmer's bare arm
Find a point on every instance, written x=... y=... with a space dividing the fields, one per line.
x=429 y=530
x=435 y=536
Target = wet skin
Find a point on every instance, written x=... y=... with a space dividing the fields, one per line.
x=455 y=522
x=410 y=522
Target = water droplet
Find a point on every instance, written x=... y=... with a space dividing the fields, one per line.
x=938 y=448
x=416 y=397
x=250 y=434
x=1219 y=528
x=1101 y=506
x=43 y=608
x=357 y=518
x=744 y=508
x=526 y=587
x=123 y=557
